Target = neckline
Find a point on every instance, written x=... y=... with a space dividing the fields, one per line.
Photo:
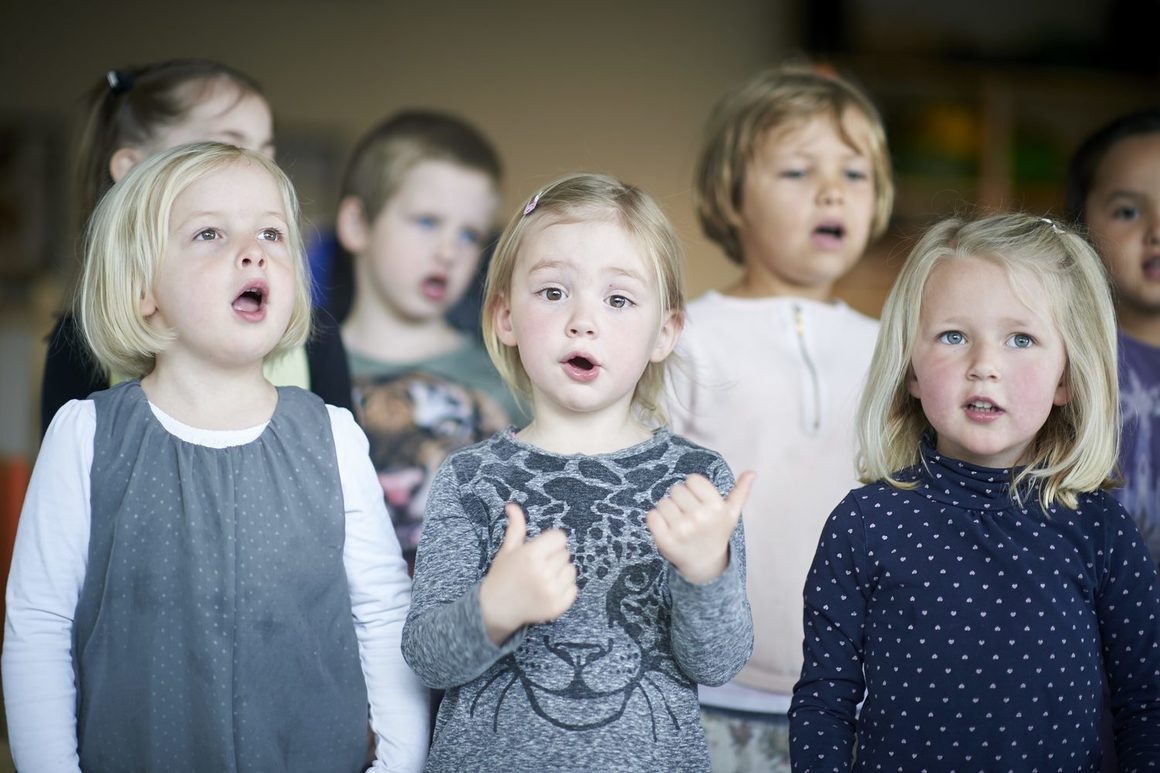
x=962 y=484
x=195 y=436
x=659 y=435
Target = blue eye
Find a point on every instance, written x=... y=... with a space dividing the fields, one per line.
x=792 y=174
x=471 y=237
x=426 y=221
x=856 y=175
x=619 y=302
x=952 y=337
x=207 y=235
x=270 y=235
x=1021 y=341
x=1126 y=212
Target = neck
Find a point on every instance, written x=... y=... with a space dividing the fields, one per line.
x=762 y=284
x=1143 y=325
x=602 y=432
x=208 y=398
x=374 y=331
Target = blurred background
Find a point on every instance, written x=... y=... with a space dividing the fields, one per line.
x=983 y=102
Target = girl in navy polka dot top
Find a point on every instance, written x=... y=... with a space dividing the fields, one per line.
x=965 y=608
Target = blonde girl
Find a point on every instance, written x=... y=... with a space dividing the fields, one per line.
x=204 y=577
x=976 y=594
x=576 y=579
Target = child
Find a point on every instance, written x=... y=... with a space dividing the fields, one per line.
x=793 y=181
x=418 y=201
x=1113 y=188
x=577 y=578
x=979 y=590
x=204 y=576
x=138 y=111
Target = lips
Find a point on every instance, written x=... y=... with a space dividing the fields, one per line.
x=434 y=287
x=981 y=409
x=580 y=367
x=1152 y=268
x=250 y=303
x=829 y=234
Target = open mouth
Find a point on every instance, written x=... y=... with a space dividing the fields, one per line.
x=434 y=287
x=831 y=230
x=251 y=300
x=1152 y=267
x=985 y=407
x=581 y=363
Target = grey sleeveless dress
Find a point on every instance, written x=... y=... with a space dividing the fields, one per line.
x=214 y=629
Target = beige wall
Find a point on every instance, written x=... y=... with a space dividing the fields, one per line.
x=620 y=87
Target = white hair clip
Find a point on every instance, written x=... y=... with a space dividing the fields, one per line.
x=1054 y=226
x=532 y=204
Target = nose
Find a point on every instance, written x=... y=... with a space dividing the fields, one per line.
x=830 y=193
x=581 y=322
x=982 y=365
x=252 y=254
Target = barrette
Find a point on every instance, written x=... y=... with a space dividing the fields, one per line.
x=119 y=82
x=532 y=204
x=1054 y=226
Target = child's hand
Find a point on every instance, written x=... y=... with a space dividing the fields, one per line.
x=529 y=582
x=693 y=524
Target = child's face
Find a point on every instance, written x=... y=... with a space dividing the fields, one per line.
x=1123 y=215
x=226 y=282
x=807 y=204
x=987 y=366
x=420 y=253
x=224 y=114
x=585 y=312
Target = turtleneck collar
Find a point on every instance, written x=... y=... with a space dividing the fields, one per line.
x=954 y=482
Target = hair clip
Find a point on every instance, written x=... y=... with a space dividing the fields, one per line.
x=532 y=204
x=1054 y=226
x=119 y=82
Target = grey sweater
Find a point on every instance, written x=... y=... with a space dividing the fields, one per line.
x=611 y=684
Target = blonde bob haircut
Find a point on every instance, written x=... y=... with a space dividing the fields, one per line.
x=577 y=198
x=1075 y=451
x=779 y=99
x=126 y=242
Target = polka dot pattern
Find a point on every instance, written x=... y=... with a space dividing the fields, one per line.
x=977 y=628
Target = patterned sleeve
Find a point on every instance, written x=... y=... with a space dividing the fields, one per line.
x=444 y=639
x=1128 y=607
x=825 y=699
x=712 y=633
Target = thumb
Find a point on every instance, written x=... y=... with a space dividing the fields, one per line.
x=517 y=527
x=740 y=493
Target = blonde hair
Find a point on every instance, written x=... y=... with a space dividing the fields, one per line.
x=1076 y=448
x=584 y=197
x=126 y=242
x=782 y=97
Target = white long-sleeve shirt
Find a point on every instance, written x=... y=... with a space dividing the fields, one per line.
x=48 y=570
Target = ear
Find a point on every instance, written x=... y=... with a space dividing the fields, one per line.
x=670 y=331
x=351 y=225
x=504 y=330
x=912 y=383
x=1062 y=393
x=122 y=161
x=148 y=304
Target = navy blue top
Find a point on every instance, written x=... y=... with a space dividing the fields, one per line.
x=974 y=628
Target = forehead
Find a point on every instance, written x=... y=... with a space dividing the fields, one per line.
x=446 y=182
x=972 y=286
x=1134 y=160
x=240 y=184
x=851 y=129
x=585 y=245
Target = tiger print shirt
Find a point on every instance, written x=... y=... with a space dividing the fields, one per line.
x=611 y=685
